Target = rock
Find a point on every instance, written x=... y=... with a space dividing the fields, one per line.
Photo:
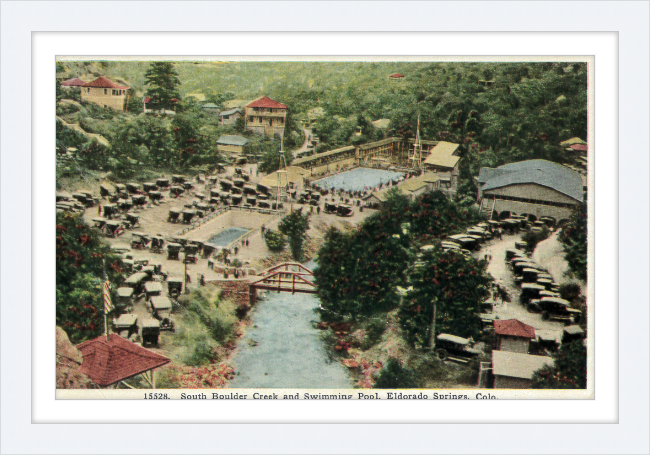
x=68 y=364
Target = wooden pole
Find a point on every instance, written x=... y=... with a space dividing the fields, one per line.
x=432 y=338
x=105 y=314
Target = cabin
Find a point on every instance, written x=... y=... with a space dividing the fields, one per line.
x=533 y=188
x=514 y=370
x=105 y=93
x=266 y=116
x=396 y=77
x=444 y=159
x=232 y=144
x=513 y=335
x=230 y=116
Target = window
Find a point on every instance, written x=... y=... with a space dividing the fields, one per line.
x=105 y=91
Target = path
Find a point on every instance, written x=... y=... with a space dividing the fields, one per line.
x=500 y=270
x=282 y=349
x=305 y=145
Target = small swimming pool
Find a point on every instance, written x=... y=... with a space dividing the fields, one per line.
x=227 y=236
x=359 y=179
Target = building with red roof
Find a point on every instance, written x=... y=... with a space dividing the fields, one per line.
x=396 y=77
x=513 y=335
x=266 y=116
x=109 y=363
x=104 y=92
x=73 y=83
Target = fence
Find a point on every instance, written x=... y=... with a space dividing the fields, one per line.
x=221 y=210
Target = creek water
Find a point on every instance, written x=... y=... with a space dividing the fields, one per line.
x=282 y=349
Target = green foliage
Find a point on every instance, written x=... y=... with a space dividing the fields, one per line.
x=374 y=328
x=274 y=240
x=269 y=148
x=533 y=238
x=569 y=370
x=208 y=324
x=80 y=256
x=456 y=284
x=395 y=376
x=295 y=227
x=162 y=85
x=574 y=239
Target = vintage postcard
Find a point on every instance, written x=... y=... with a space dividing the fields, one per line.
x=324 y=228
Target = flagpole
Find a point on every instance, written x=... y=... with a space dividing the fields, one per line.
x=105 y=313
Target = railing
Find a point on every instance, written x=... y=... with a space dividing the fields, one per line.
x=202 y=221
x=245 y=236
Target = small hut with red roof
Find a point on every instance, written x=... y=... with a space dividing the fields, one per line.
x=74 y=83
x=396 y=77
x=513 y=335
x=105 y=93
x=108 y=363
x=266 y=116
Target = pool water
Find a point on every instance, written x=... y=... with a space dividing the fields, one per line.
x=227 y=236
x=359 y=179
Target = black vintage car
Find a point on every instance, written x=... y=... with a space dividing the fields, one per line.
x=173 y=249
x=455 y=348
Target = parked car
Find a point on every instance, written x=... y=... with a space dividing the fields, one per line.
x=455 y=348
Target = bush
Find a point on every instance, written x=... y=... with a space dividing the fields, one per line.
x=274 y=241
x=375 y=328
x=395 y=376
x=533 y=238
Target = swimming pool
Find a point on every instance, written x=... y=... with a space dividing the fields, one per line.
x=227 y=236
x=359 y=179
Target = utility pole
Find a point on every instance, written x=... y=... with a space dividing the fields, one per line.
x=187 y=291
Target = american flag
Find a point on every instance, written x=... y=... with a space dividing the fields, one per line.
x=108 y=305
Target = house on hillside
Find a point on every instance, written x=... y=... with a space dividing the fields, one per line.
x=444 y=159
x=266 y=116
x=513 y=335
x=514 y=370
x=74 y=83
x=105 y=93
x=230 y=116
x=234 y=145
x=533 y=188
x=396 y=77
x=210 y=108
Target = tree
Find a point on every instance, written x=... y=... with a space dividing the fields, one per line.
x=455 y=284
x=569 y=370
x=395 y=376
x=274 y=240
x=80 y=257
x=574 y=239
x=162 y=84
x=270 y=151
x=295 y=226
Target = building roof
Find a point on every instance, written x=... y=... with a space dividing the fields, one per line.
x=396 y=75
x=324 y=154
x=513 y=328
x=579 y=147
x=103 y=82
x=382 y=123
x=413 y=184
x=74 y=82
x=294 y=174
x=209 y=106
x=232 y=140
x=119 y=359
x=442 y=155
x=541 y=172
x=430 y=177
x=572 y=141
x=388 y=140
x=230 y=112
x=517 y=365
x=265 y=101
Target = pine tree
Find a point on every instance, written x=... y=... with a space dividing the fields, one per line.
x=162 y=85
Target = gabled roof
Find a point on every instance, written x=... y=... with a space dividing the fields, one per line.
x=119 y=359
x=572 y=141
x=74 y=82
x=579 y=147
x=232 y=140
x=210 y=106
x=516 y=365
x=230 y=112
x=265 y=101
x=396 y=75
x=103 y=82
x=541 y=172
x=442 y=155
x=513 y=328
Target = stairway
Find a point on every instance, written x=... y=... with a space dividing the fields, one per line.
x=487 y=209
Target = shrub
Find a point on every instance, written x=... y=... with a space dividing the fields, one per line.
x=274 y=240
x=375 y=328
x=395 y=376
x=533 y=238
